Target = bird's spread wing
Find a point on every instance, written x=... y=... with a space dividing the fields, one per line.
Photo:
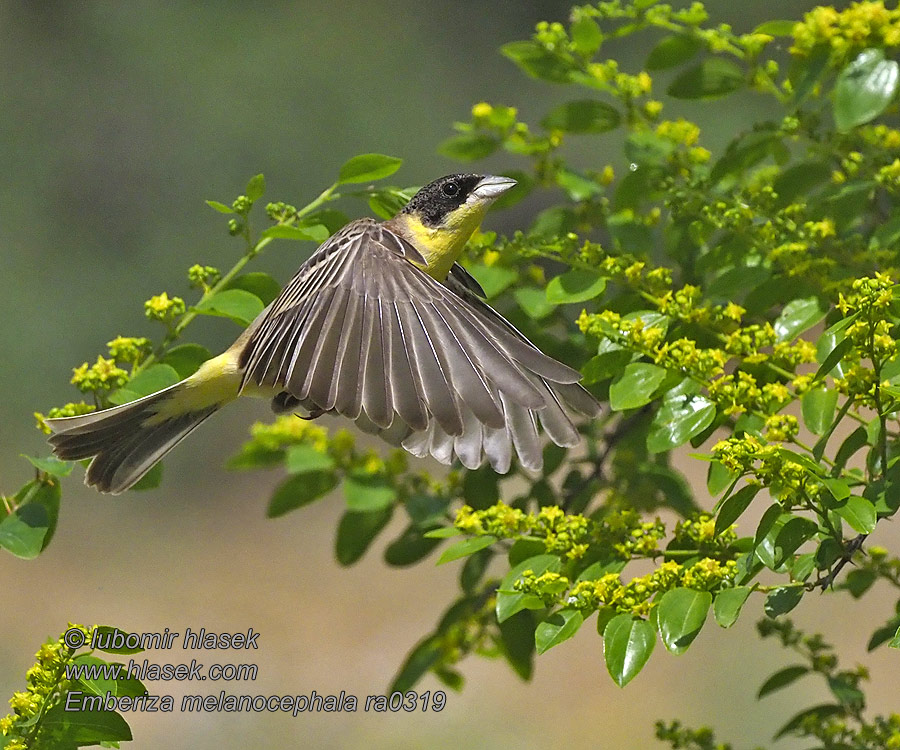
x=363 y=332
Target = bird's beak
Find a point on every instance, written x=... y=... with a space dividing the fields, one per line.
x=492 y=187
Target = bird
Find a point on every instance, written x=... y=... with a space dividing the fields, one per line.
x=381 y=325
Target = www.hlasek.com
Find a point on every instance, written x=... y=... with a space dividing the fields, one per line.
x=89 y=674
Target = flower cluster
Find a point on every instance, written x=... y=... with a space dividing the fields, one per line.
x=203 y=277
x=103 y=376
x=69 y=410
x=844 y=33
x=566 y=535
x=45 y=681
x=129 y=349
x=633 y=597
x=164 y=308
x=772 y=466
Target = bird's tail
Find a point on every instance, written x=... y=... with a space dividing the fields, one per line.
x=126 y=441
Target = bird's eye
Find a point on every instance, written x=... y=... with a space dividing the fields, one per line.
x=451 y=189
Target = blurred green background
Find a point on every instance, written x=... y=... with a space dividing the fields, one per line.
x=117 y=119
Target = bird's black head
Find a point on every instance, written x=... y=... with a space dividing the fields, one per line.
x=437 y=199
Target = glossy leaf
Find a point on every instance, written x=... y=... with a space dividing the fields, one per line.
x=559 y=627
x=256 y=187
x=314 y=233
x=533 y=302
x=469 y=146
x=538 y=62
x=782 y=678
x=782 y=600
x=636 y=386
x=220 y=207
x=52 y=465
x=864 y=88
x=493 y=279
x=672 y=51
x=300 y=490
x=678 y=420
x=510 y=601
x=71 y=729
x=368 y=167
x=356 y=531
x=627 y=645
x=710 y=79
x=300 y=459
x=859 y=513
x=154 y=378
x=792 y=534
x=186 y=359
x=237 y=304
x=465 y=547
x=575 y=286
x=818 y=409
x=728 y=604
x=583 y=116
x=410 y=547
x=681 y=614
x=367 y=493
x=798 y=316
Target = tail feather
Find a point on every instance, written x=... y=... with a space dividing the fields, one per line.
x=125 y=441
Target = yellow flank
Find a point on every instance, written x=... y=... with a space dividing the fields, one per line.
x=215 y=383
x=442 y=245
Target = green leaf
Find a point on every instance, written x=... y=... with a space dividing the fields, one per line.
x=367 y=493
x=559 y=627
x=95 y=685
x=884 y=633
x=517 y=641
x=776 y=28
x=672 y=51
x=24 y=531
x=575 y=286
x=627 y=645
x=465 y=547
x=410 y=547
x=859 y=581
x=577 y=187
x=153 y=379
x=300 y=459
x=782 y=600
x=314 y=233
x=895 y=641
x=110 y=634
x=586 y=35
x=636 y=386
x=368 y=167
x=220 y=207
x=510 y=601
x=710 y=79
x=151 y=480
x=728 y=604
x=864 y=89
x=539 y=62
x=237 y=304
x=51 y=465
x=533 y=302
x=815 y=716
x=611 y=360
x=678 y=420
x=78 y=728
x=421 y=659
x=469 y=146
x=256 y=187
x=493 y=279
x=832 y=360
x=681 y=614
x=859 y=513
x=782 y=678
x=583 y=116
x=718 y=477
x=186 y=359
x=356 y=531
x=734 y=506
x=297 y=491
x=818 y=409
x=798 y=316
x=258 y=283
x=444 y=532
x=792 y=534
